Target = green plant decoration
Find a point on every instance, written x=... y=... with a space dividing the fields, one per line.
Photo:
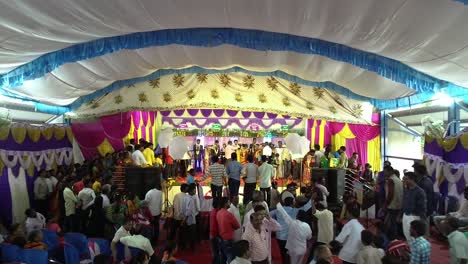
x=286 y=101
x=272 y=83
x=310 y=106
x=202 y=77
x=295 y=89
x=357 y=110
x=154 y=83
x=332 y=109
x=178 y=80
x=262 y=98
x=248 y=81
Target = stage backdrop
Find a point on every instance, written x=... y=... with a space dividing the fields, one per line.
x=363 y=139
x=447 y=162
x=24 y=150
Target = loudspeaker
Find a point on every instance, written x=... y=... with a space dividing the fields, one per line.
x=140 y=180
x=334 y=181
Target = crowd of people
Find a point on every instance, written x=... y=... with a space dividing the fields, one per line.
x=82 y=198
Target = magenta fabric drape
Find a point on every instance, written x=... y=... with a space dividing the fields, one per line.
x=335 y=127
x=359 y=146
x=364 y=132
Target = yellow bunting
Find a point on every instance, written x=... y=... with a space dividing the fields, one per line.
x=4 y=132
x=322 y=134
x=105 y=147
x=48 y=132
x=19 y=134
x=464 y=140
x=373 y=153
x=70 y=134
x=139 y=128
x=2 y=165
x=31 y=170
x=339 y=139
x=312 y=134
x=59 y=133
x=34 y=134
x=428 y=138
x=147 y=130
x=448 y=144
x=157 y=127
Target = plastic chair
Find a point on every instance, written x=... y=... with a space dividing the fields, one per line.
x=80 y=242
x=104 y=246
x=72 y=255
x=50 y=238
x=11 y=253
x=33 y=256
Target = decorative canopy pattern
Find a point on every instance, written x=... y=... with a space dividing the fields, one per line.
x=385 y=53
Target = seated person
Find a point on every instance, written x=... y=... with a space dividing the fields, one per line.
x=368 y=253
x=169 y=252
x=461 y=214
x=123 y=231
x=136 y=240
x=35 y=241
x=144 y=218
x=16 y=235
x=141 y=258
x=34 y=220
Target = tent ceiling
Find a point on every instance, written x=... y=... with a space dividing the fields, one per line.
x=388 y=50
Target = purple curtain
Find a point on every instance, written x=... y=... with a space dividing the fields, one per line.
x=206 y=112
x=179 y=112
x=232 y=113
x=218 y=112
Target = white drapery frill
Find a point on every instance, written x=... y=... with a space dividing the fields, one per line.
x=38 y=158
x=19 y=194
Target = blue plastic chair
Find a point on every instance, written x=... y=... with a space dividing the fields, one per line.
x=33 y=256
x=50 y=238
x=11 y=253
x=80 y=242
x=72 y=255
x=104 y=246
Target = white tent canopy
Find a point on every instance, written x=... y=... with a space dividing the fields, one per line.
x=388 y=53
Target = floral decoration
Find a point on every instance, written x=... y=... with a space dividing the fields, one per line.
x=154 y=83
x=357 y=110
x=225 y=80
x=178 y=80
x=262 y=98
x=286 y=101
x=202 y=77
x=272 y=83
x=214 y=94
x=142 y=97
x=248 y=81
x=238 y=97
x=118 y=99
x=310 y=106
x=332 y=109
x=190 y=94
x=295 y=89
x=167 y=97
x=319 y=93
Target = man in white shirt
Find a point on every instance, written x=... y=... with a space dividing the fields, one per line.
x=229 y=150
x=41 y=193
x=123 y=231
x=86 y=196
x=350 y=237
x=190 y=213
x=178 y=206
x=243 y=252
x=70 y=222
x=369 y=253
x=265 y=174
x=324 y=223
x=457 y=241
x=51 y=182
x=266 y=150
x=138 y=241
x=318 y=154
x=461 y=214
x=138 y=157
x=105 y=195
x=234 y=210
x=34 y=221
x=154 y=199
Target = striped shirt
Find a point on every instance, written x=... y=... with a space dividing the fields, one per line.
x=420 y=251
x=217 y=173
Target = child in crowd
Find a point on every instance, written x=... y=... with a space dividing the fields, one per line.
x=191 y=177
x=335 y=248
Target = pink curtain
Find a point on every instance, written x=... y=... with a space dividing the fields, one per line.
x=365 y=132
x=359 y=146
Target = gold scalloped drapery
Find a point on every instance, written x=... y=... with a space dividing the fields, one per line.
x=464 y=140
x=47 y=132
x=34 y=134
x=19 y=134
x=448 y=144
x=59 y=133
x=4 y=132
